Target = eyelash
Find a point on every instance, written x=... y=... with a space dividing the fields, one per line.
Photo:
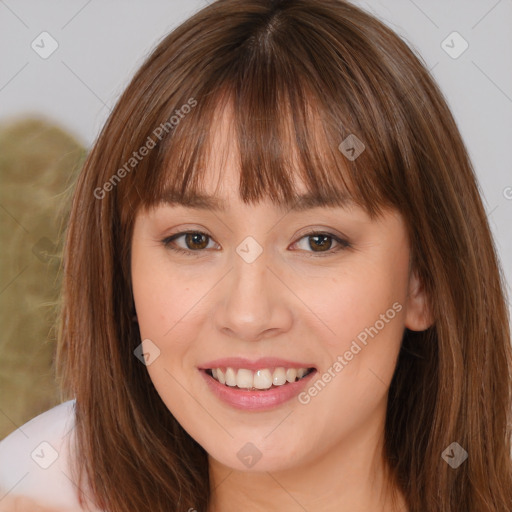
x=343 y=244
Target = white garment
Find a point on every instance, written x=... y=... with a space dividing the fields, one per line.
x=34 y=459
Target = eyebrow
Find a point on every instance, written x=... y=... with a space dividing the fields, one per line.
x=303 y=202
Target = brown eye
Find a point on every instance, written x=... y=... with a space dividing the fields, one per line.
x=321 y=244
x=194 y=242
x=318 y=244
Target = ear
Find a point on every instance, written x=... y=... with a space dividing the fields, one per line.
x=418 y=316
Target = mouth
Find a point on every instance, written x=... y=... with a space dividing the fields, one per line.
x=256 y=385
x=258 y=380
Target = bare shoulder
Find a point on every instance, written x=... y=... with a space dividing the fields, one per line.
x=35 y=460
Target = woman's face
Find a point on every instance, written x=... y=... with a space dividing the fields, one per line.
x=254 y=290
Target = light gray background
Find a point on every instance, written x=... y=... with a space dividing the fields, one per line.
x=103 y=42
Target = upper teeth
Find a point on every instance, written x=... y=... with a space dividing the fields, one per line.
x=260 y=379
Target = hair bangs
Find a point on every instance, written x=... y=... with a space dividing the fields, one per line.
x=282 y=130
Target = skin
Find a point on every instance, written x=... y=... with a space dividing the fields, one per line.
x=327 y=454
x=23 y=504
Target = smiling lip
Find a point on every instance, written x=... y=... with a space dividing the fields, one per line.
x=255 y=400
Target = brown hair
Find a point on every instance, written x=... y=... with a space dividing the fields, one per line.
x=301 y=75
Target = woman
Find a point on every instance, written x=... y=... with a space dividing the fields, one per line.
x=281 y=291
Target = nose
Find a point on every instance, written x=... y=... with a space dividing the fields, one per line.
x=254 y=303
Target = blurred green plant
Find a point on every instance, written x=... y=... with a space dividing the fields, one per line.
x=39 y=163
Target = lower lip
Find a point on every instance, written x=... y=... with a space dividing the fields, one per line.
x=256 y=400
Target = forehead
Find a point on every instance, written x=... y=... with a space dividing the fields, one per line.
x=220 y=186
x=202 y=201
x=220 y=176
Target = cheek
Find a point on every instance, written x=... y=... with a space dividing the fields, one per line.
x=361 y=297
x=365 y=314
x=172 y=306
x=161 y=295
x=165 y=315
x=154 y=303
